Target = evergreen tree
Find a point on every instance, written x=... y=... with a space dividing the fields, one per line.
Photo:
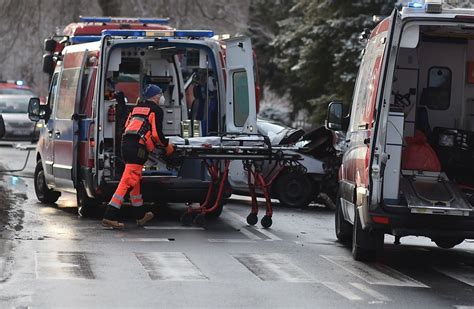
x=317 y=50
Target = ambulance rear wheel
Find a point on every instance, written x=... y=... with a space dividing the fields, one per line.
x=448 y=242
x=86 y=206
x=43 y=194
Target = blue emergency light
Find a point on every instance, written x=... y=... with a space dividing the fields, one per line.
x=20 y=83
x=84 y=39
x=124 y=20
x=415 y=5
x=161 y=33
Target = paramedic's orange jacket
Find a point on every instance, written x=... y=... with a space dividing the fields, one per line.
x=152 y=137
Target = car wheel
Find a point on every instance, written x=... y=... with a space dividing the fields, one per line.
x=448 y=242
x=43 y=194
x=365 y=244
x=86 y=206
x=343 y=228
x=294 y=189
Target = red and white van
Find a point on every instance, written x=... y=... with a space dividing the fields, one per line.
x=408 y=165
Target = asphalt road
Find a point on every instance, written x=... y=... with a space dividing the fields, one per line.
x=50 y=257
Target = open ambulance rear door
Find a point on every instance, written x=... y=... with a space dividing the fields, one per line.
x=241 y=109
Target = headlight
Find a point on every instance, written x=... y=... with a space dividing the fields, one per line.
x=446 y=140
x=39 y=125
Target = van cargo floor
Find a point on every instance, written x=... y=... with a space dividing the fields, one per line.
x=433 y=193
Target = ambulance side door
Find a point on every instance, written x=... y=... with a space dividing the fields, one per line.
x=66 y=122
x=241 y=109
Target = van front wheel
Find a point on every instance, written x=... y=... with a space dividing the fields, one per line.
x=43 y=194
x=343 y=228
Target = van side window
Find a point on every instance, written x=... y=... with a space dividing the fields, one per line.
x=241 y=98
x=53 y=91
x=67 y=93
x=439 y=88
x=87 y=91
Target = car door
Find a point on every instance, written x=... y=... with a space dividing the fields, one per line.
x=241 y=109
x=66 y=122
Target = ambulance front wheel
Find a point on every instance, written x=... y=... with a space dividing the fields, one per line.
x=43 y=194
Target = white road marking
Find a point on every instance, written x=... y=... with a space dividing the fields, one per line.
x=62 y=265
x=185 y=228
x=260 y=230
x=170 y=266
x=145 y=239
x=341 y=290
x=374 y=273
x=370 y=292
x=463 y=307
x=239 y=227
x=273 y=267
x=246 y=241
x=460 y=272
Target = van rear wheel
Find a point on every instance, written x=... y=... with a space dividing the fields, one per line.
x=448 y=242
x=43 y=194
x=365 y=244
x=86 y=206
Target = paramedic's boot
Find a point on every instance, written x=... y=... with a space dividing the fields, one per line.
x=111 y=218
x=142 y=216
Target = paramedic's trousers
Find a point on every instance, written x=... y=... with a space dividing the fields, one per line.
x=131 y=179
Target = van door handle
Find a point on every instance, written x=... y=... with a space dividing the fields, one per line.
x=57 y=133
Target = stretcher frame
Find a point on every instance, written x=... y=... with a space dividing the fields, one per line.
x=252 y=150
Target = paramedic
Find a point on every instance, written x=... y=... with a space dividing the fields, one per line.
x=143 y=132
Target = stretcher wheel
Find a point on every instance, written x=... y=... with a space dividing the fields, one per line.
x=252 y=219
x=266 y=221
x=187 y=219
x=200 y=220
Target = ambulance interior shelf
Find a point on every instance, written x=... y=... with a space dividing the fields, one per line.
x=216 y=153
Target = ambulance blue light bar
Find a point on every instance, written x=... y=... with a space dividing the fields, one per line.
x=124 y=20
x=84 y=39
x=161 y=33
x=416 y=5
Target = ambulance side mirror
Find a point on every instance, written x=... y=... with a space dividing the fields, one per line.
x=334 y=117
x=48 y=64
x=34 y=109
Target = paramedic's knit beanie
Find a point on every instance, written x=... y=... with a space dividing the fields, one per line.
x=151 y=91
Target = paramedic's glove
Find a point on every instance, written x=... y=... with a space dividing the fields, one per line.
x=169 y=149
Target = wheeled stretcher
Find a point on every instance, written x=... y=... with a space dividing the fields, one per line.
x=216 y=154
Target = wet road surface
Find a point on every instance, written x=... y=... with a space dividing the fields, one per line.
x=51 y=257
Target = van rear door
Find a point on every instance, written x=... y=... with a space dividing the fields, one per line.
x=241 y=109
x=387 y=33
x=66 y=123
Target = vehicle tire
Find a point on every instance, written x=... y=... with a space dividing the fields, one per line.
x=44 y=195
x=86 y=206
x=365 y=244
x=294 y=189
x=342 y=227
x=448 y=242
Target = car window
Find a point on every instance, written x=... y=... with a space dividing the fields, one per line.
x=17 y=91
x=13 y=105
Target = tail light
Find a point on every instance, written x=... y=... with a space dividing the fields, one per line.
x=91 y=140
